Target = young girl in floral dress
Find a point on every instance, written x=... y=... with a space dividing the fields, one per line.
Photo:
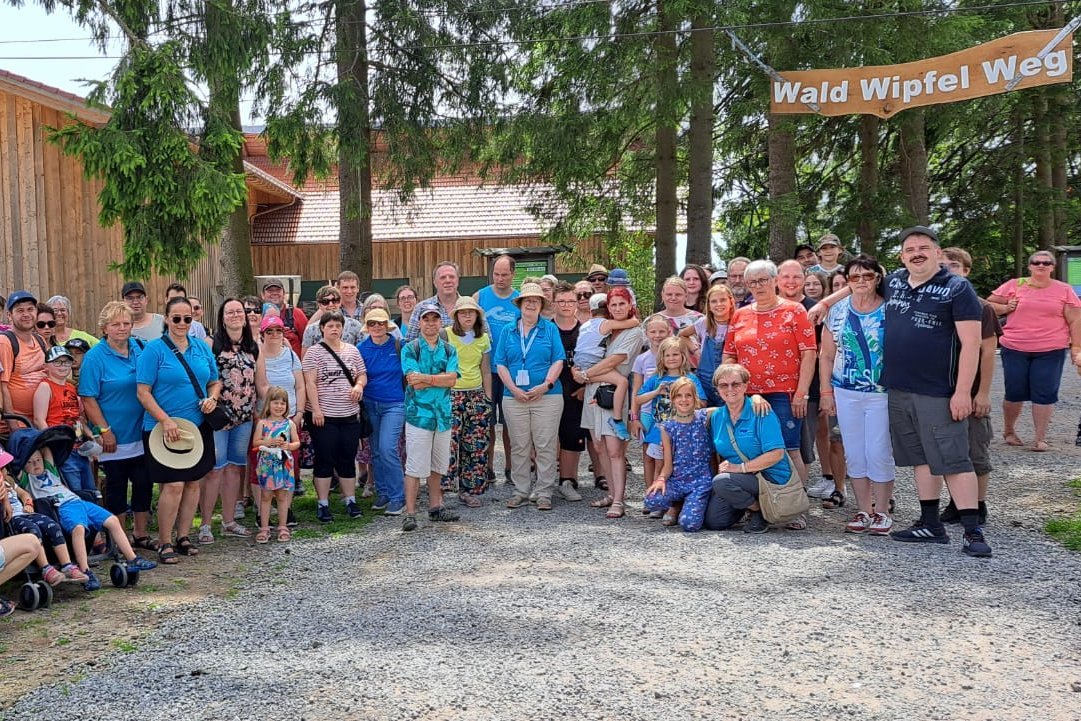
x=276 y=437
x=471 y=403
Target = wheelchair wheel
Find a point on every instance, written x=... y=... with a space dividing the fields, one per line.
x=133 y=577
x=29 y=598
x=118 y=574
x=45 y=595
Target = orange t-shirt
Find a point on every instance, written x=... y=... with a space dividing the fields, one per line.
x=64 y=407
x=769 y=344
x=23 y=374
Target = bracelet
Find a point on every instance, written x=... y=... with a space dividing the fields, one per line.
x=632 y=417
x=104 y=429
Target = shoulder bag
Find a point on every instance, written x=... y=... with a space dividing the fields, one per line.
x=362 y=415
x=780 y=503
x=217 y=418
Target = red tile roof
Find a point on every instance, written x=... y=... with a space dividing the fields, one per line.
x=439 y=213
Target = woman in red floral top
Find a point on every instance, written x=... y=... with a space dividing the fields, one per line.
x=774 y=340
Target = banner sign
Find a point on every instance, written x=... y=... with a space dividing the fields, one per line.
x=885 y=90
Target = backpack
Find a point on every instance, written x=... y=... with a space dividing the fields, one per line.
x=14 y=339
x=414 y=346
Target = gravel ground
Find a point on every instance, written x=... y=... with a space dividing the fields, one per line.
x=523 y=614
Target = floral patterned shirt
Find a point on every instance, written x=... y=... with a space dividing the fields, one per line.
x=237 y=371
x=768 y=343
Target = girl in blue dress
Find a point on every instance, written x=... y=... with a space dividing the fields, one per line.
x=685 y=480
x=277 y=440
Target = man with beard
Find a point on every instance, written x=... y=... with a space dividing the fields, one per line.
x=736 y=266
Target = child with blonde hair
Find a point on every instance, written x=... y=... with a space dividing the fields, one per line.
x=277 y=439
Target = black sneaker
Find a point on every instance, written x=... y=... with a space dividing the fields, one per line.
x=353 y=509
x=974 y=545
x=323 y=515
x=442 y=514
x=950 y=514
x=918 y=533
x=298 y=490
x=291 y=519
x=409 y=522
x=756 y=523
x=1077 y=441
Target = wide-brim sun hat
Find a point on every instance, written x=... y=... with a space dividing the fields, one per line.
x=184 y=453
x=596 y=269
x=466 y=302
x=376 y=315
x=531 y=290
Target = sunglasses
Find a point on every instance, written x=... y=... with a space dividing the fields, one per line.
x=857 y=277
x=1042 y=262
x=197 y=308
x=375 y=323
x=256 y=311
x=46 y=324
x=328 y=301
x=178 y=319
x=584 y=296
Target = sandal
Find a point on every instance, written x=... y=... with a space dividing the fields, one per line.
x=836 y=500
x=284 y=534
x=603 y=502
x=145 y=542
x=263 y=536
x=669 y=520
x=1012 y=439
x=167 y=555
x=600 y=482
x=615 y=511
x=185 y=547
x=235 y=529
x=1040 y=447
x=799 y=523
x=469 y=500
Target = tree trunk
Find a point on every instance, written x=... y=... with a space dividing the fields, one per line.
x=237 y=278
x=1059 y=158
x=913 y=165
x=783 y=200
x=700 y=144
x=665 y=139
x=1019 y=160
x=868 y=193
x=354 y=142
x=1044 y=184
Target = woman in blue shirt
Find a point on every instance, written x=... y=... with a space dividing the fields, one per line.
x=384 y=403
x=759 y=440
x=529 y=358
x=165 y=391
x=107 y=388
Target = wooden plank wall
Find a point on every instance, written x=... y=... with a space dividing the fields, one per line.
x=50 y=239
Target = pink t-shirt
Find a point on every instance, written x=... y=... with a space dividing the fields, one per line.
x=1039 y=323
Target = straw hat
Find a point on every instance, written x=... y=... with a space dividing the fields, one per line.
x=466 y=302
x=531 y=290
x=596 y=269
x=376 y=315
x=184 y=453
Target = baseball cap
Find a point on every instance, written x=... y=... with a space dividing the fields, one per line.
x=132 y=286
x=721 y=274
x=56 y=353
x=5 y=457
x=271 y=321
x=271 y=282
x=20 y=296
x=597 y=300
x=618 y=278
x=425 y=308
x=914 y=230
x=829 y=239
x=77 y=344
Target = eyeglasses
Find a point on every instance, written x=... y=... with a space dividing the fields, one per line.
x=197 y=308
x=328 y=301
x=256 y=311
x=731 y=386
x=275 y=329
x=758 y=282
x=178 y=319
x=566 y=302
x=63 y=363
x=1042 y=262
x=584 y=296
x=135 y=297
x=857 y=277
x=46 y=324
x=406 y=297
x=372 y=323
x=235 y=312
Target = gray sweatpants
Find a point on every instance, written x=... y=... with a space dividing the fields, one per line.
x=733 y=493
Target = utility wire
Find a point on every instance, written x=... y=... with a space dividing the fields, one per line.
x=639 y=34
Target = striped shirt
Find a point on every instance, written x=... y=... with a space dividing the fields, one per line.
x=331 y=384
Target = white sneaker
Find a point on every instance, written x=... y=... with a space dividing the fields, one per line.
x=238 y=509
x=533 y=497
x=821 y=489
x=569 y=494
x=859 y=523
x=880 y=525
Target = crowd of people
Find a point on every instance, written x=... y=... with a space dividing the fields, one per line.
x=741 y=377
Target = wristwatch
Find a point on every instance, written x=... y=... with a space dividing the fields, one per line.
x=550 y=385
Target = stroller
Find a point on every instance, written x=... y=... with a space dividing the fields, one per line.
x=56 y=443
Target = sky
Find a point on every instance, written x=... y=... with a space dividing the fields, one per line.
x=34 y=44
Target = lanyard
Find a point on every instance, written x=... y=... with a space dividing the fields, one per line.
x=522 y=339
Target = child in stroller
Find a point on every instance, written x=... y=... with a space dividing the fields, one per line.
x=39 y=455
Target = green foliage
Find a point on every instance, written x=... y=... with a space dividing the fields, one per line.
x=1067 y=530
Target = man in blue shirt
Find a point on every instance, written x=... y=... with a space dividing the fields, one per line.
x=932 y=351
x=500 y=311
x=430 y=367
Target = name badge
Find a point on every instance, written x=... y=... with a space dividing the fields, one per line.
x=522 y=379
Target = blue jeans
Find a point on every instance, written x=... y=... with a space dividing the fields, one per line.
x=78 y=473
x=387 y=419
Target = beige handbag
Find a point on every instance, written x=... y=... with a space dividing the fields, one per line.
x=780 y=503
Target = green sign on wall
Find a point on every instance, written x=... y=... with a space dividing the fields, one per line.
x=527 y=269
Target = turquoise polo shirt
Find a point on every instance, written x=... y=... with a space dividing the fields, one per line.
x=109 y=378
x=428 y=408
x=158 y=368
x=755 y=436
x=535 y=353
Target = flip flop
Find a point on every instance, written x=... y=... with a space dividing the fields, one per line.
x=603 y=502
x=1040 y=447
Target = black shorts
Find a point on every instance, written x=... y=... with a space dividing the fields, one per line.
x=572 y=437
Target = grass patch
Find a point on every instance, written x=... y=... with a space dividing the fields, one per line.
x=1067 y=529
x=63 y=641
x=123 y=645
x=304 y=508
